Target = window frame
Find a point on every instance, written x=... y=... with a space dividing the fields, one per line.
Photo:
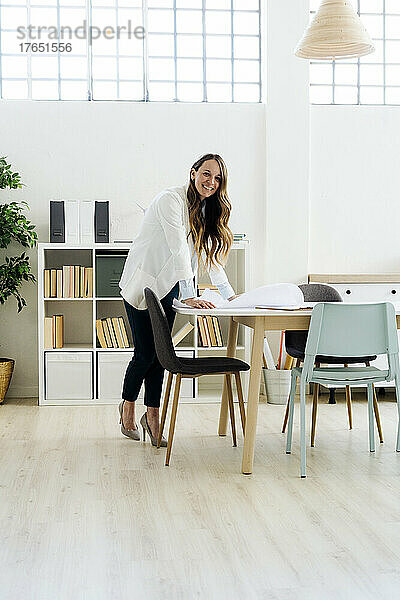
x=233 y=82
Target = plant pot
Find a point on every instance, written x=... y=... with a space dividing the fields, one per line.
x=277 y=385
x=6 y=371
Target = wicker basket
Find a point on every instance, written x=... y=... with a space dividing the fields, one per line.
x=6 y=371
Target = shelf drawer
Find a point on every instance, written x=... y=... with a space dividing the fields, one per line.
x=368 y=292
x=111 y=367
x=69 y=375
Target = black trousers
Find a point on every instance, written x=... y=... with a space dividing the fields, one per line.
x=144 y=365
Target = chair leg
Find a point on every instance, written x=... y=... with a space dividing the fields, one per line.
x=241 y=401
x=377 y=417
x=371 y=419
x=165 y=407
x=173 y=418
x=290 y=415
x=397 y=384
x=314 y=413
x=348 y=402
x=302 y=427
x=231 y=408
x=314 y=410
x=285 y=419
x=376 y=411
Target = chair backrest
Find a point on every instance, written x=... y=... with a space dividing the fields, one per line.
x=352 y=330
x=162 y=336
x=312 y=292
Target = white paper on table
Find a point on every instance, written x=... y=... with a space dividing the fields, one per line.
x=277 y=295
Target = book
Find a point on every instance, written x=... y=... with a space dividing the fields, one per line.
x=82 y=281
x=112 y=333
x=208 y=337
x=123 y=332
x=48 y=333
x=117 y=327
x=182 y=333
x=58 y=331
x=59 y=283
x=88 y=282
x=210 y=328
x=117 y=332
x=218 y=332
x=202 y=335
x=100 y=334
x=77 y=279
x=66 y=281
x=107 y=333
x=53 y=283
x=46 y=283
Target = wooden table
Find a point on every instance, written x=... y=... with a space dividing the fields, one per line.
x=260 y=321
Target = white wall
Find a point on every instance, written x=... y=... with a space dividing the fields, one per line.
x=355 y=189
x=287 y=138
x=122 y=152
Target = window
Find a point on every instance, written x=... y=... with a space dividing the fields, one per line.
x=143 y=50
x=372 y=79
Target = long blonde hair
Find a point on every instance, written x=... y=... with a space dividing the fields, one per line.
x=211 y=235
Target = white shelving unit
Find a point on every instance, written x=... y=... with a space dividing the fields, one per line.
x=83 y=373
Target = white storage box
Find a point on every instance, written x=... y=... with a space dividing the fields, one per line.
x=69 y=375
x=111 y=373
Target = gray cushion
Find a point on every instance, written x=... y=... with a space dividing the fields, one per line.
x=212 y=364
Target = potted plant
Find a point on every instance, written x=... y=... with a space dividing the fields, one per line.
x=14 y=227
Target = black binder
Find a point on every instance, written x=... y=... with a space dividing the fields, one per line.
x=101 y=222
x=57 y=222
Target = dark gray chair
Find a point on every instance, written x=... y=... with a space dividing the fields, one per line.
x=189 y=368
x=295 y=342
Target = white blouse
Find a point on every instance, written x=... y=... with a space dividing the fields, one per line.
x=162 y=253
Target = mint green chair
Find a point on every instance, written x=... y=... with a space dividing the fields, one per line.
x=347 y=330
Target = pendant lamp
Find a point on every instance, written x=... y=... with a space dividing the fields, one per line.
x=335 y=32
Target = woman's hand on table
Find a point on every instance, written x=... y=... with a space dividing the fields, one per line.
x=198 y=303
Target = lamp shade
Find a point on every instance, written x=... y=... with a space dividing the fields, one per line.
x=335 y=32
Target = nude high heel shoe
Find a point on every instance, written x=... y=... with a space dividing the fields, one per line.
x=130 y=433
x=154 y=440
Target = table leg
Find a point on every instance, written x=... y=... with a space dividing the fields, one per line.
x=230 y=351
x=253 y=397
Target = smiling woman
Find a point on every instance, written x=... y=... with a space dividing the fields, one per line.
x=182 y=228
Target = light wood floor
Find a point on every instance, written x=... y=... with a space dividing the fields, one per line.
x=88 y=514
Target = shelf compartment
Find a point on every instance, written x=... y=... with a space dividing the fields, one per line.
x=57 y=258
x=78 y=318
x=111 y=308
